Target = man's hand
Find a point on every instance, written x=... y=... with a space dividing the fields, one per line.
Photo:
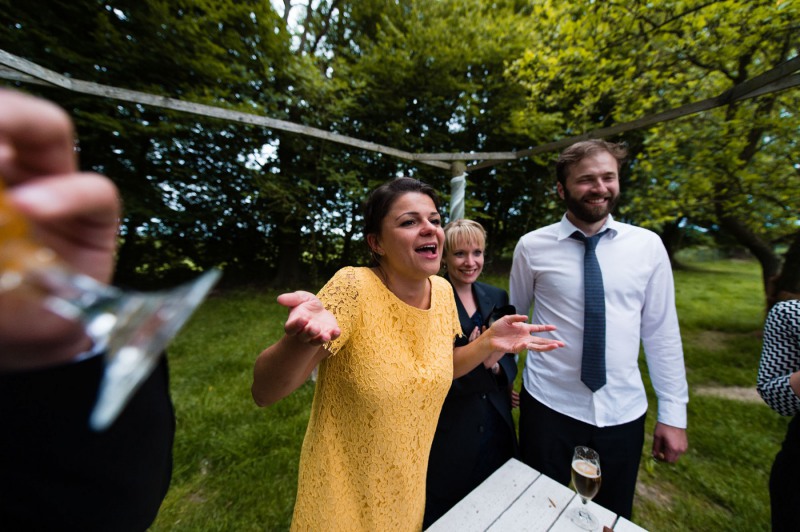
x=669 y=443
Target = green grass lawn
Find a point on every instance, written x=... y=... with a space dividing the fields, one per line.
x=236 y=465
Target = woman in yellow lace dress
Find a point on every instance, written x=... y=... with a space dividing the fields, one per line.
x=383 y=339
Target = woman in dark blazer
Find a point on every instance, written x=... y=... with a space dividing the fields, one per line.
x=475 y=434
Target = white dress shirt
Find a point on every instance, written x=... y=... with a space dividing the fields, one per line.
x=640 y=305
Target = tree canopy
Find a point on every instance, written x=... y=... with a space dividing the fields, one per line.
x=421 y=76
x=732 y=171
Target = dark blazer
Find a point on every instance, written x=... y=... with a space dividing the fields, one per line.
x=476 y=433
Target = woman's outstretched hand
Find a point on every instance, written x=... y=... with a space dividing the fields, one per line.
x=308 y=321
x=509 y=334
x=512 y=334
x=282 y=367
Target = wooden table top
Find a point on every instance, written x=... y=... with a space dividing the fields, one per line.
x=517 y=497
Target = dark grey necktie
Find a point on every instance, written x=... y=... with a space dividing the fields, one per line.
x=593 y=364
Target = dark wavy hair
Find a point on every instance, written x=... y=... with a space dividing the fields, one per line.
x=381 y=199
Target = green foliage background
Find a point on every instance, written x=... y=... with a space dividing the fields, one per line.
x=421 y=76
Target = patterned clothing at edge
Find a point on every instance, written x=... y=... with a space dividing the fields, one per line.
x=778 y=383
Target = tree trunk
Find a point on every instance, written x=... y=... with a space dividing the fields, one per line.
x=763 y=251
x=288 y=274
x=671 y=236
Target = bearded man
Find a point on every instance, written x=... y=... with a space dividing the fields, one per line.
x=608 y=287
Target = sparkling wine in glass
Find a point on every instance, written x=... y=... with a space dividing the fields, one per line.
x=131 y=328
x=586 y=480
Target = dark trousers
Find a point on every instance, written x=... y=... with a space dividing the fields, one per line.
x=784 y=490
x=547 y=440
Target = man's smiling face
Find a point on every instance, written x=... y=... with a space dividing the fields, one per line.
x=591 y=189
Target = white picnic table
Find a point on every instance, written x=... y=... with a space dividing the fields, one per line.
x=517 y=497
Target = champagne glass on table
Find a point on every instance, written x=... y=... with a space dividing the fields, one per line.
x=131 y=328
x=586 y=480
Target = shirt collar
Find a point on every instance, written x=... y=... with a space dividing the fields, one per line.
x=566 y=228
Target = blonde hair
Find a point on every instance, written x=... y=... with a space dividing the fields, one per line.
x=463 y=231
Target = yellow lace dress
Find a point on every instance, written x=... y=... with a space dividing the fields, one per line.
x=375 y=408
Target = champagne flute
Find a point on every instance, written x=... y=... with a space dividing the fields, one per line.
x=586 y=480
x=131 y=328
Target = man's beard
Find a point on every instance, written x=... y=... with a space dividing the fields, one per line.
x=585 y=212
